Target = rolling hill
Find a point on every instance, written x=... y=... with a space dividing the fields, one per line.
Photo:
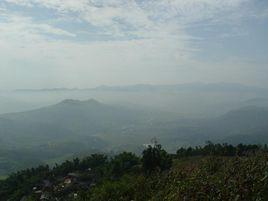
x=73 y=127
x=61 y=130
x=243 y=125
x=69 y=119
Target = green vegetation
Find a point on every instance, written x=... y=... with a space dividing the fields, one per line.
x=154 y=157
x=220 y=150
x=213 y=172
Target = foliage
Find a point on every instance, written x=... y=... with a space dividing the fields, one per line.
x=220 y=150
x=199 y=178
x=123 y=162
x=154 y=157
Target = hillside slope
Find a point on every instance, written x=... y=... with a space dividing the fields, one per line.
x=241 y=125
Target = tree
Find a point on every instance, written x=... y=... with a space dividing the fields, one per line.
x=154 y=157
x=123 y=162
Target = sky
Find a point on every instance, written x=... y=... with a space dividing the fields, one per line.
x=86 y=43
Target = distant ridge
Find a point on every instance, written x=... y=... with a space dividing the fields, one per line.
x=228 y=87
x=47 y=89
x=74 y=101
x=249 y=120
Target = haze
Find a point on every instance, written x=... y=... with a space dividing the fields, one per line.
x=92 y=76
x=133 y=100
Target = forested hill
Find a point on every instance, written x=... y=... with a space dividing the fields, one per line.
x=213 y=172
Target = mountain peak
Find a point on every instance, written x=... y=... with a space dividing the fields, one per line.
x=70 y=101
x=79 y=102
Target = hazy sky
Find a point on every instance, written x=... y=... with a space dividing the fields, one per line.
x=84 y=43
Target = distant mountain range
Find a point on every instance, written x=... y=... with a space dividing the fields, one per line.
x=74 y=119
x=148 y=87
x=189 y=100
x=75 y=127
